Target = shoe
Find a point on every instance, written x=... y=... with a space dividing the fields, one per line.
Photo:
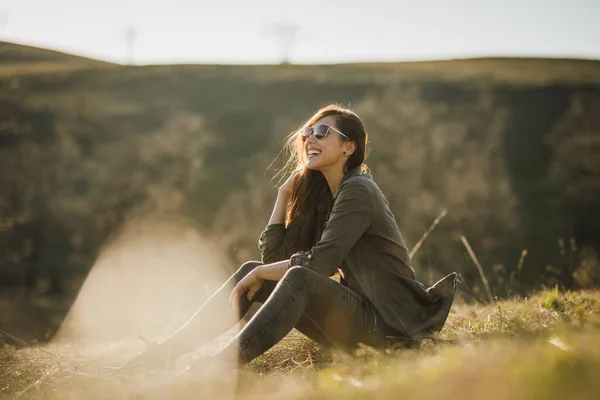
x=208 y=370
x=153 y=356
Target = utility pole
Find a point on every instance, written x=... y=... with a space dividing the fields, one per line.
x=286 y=33
x=3 y=22
x=130 y=38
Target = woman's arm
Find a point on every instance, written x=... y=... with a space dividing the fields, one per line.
x=254 y=280
x=274 y=242
x=272 y=272
x=280 y=207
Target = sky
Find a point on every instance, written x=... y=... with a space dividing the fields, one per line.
x=327 y=31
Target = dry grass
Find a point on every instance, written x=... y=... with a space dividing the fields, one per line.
x=546 y=346
x=23 y=60
x=51 y=69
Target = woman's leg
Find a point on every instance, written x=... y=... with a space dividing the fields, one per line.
x=209 y=321
x=307 y=327
x=308 y=300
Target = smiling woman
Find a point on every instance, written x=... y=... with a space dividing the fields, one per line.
x=338 y=219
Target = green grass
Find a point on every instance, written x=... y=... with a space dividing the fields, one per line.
x=545 y=346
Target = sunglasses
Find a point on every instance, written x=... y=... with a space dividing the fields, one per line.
x=320 y=132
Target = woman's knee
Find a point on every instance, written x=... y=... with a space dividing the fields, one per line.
x=299 y=274
x=245 y=269
x=304 y=280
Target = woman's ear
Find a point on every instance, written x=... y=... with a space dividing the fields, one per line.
x=349 y=148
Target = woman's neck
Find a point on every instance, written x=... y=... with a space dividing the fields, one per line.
x=334 y=176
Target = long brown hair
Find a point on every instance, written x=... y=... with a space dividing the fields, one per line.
x=309 y=186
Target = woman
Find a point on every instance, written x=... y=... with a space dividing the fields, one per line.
x=338 y=220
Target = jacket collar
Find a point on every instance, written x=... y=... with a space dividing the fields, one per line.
x=324 y=204
x=350 y=173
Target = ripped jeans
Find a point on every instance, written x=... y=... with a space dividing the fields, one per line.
x=327 y=312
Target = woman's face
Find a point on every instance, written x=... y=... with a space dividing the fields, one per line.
x=329 y=150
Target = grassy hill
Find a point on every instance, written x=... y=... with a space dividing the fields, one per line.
x=508 y=146
x=20 y=59
x=21 y=54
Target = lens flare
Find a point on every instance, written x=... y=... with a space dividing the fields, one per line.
x=146 y=283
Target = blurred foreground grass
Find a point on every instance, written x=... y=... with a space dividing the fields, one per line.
x=546 y=346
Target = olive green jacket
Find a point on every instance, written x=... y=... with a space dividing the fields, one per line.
x=359 y=235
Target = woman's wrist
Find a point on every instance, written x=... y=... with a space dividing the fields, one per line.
x=258 y=272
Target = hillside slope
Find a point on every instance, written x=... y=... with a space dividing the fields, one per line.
x=21 y=54
x=17 y=59
x=506 y=145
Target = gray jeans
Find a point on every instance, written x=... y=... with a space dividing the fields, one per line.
x=319 y=307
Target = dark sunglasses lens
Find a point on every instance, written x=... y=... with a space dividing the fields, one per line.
x=321 y=131
x=305 y=132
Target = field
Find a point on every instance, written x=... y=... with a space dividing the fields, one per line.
x=546 y=346
x=504 y=149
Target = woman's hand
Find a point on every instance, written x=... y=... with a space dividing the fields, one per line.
x=287 y=186
x=250 y=282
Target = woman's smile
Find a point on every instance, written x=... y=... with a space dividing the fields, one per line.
x=313 y=151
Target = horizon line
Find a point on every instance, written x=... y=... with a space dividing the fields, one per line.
x=299 y=63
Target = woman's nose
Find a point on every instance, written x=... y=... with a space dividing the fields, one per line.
x=310 y=138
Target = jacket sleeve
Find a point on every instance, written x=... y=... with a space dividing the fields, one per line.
x=275 y=243
x=350 y=217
